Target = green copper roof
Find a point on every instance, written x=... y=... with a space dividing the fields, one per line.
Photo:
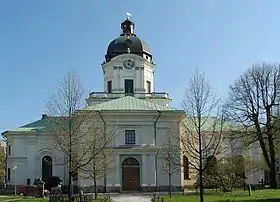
x=41 y=126
x=209 y=124
x=129 y=103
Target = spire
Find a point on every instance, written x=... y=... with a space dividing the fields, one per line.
x=127 y=26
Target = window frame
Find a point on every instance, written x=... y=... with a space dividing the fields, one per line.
x=9 y=174
x=109 y=86
x=9 y=149
x=186 y=168
x=126 y=89
x=130 y=137
x=149 y=86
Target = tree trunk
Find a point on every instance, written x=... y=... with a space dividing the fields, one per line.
x=201 y=185
x=272 y=179
x=249 y=190
x=200 y=163
x=272 y=172
x=105 y=182
x=170 y=185
x=95 y=187
x=69 y=185
x=271 y=147
x=94 y=174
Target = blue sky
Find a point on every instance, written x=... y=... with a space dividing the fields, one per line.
x=40 y=41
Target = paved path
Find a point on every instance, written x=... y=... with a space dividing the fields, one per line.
x=131 y=198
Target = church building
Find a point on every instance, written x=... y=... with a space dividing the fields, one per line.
x=129 y=96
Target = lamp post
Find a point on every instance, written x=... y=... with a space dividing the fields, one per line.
x=14 y=169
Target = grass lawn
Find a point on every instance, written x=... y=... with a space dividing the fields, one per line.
x=27 y=199
x=18 y=198
x=238 y=196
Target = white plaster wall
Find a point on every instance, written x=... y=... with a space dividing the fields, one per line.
x=18 y=175
x=148 y=169
x=142 y=72
x=143 y=150
x=253 y=152
x=112 y=175
x=165 y=130
x=163 y=176
x=27 y=151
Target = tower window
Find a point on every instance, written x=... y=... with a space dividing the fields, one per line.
x=9 y=174
x=128 y=86
x=130 y=137
x=148 y=87
x=109 y=86
x=9 y=149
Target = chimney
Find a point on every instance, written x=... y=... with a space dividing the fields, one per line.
x=44 y=116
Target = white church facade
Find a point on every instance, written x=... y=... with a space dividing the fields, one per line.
x=131 y=102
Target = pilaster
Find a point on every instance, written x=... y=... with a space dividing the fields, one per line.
x=152 y=164
x=117 y=170
x=144 y=172
x=31 y=157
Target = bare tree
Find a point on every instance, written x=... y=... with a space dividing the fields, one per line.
x=202 y=128
x=253 y=100
x=101 y=164
x=70 y=125
x=168 y=154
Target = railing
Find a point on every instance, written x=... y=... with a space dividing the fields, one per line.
x=104 y=95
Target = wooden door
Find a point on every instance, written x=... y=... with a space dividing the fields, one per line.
x=131 y=178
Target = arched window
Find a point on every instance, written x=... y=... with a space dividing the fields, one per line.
x=211 y=164
x=46 y=167
x=239 y=162
x=130 y=162
x=186 y=168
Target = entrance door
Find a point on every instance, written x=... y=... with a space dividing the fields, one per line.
x=46 y=167
x=130 y=175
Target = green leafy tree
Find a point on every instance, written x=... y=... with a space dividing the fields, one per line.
x=229 y=172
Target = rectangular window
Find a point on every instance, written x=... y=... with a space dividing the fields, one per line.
x=128 y=86
x=149 y=90
x=109 y=86
x=186 y=168
x=9 y=174
x=130 y=137
x=9 y=149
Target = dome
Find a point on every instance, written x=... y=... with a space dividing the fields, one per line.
x=127 y=42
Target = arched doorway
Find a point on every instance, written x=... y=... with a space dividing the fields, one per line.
x=46 y=167
x=130 y=175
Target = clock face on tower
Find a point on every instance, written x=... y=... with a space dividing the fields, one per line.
x=128 y=64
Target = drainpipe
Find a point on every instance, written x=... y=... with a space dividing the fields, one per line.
x=155 y=136
x=105 y=172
